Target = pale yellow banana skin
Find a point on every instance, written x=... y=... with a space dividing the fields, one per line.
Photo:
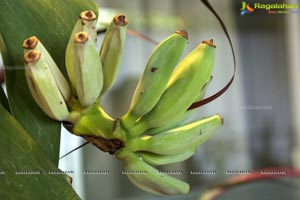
x=89 y=22
x=32 y=43
x=43 y=87
x=111 y=52
x=71 y=56
x=88 y=72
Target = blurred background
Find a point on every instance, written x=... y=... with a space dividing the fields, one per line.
x=261 y=109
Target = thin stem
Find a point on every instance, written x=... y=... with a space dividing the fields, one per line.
x=82 y=145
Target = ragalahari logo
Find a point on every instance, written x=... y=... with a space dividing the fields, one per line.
x=246 y=8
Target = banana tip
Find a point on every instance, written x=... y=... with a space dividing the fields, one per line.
x=209 y=42
x=32 y=56
x=183 y=33
x=120 y=20
x=30 y=43
x=222 y=119
x=81 y=37
x=88 y=15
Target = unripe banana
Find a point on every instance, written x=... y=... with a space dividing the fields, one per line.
x=150 y=179
x=181 y=117
x=112 y=49
x=43 y=87
x=87 y=23
x=179 y=139
x=187 y=80
x=156 y=76
x=32 y=43
x=157 y=159
x=88 y=72
x=176 y=122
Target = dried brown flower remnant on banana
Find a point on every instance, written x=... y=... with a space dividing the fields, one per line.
x=120 y=20
x=30 y=43
x=81 y=37
x=88 y=15
x=32 y=56
x=210 y=43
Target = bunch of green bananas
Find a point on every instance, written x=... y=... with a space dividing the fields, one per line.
x=152 y=132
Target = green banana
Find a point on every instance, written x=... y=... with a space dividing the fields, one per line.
x=43 y=87
x=112 y=49
x=88 y=72
x=32 y=43
x=181 y=117
x=179 y=139
x=174 y=123
x=191 y=75
x=157 y=159
x=155 y=77
x=147 y=178
x=86 y=22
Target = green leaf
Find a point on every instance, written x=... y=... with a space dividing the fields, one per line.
x=21 y=154
x=52 y=22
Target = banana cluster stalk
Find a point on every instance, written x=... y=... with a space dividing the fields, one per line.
x=152 y=132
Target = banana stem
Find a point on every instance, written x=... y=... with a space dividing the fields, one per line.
x=98 y=128
x=94 y=122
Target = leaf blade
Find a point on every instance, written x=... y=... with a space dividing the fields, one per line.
x=21 y=154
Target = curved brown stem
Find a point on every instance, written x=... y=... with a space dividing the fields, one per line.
x=105 y=145
x=225 y=88
x=259 y=175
